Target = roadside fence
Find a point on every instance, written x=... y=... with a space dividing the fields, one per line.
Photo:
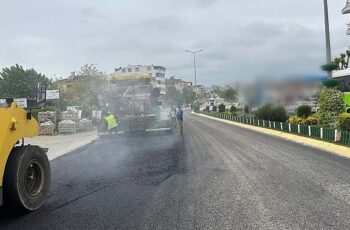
x=326 y=134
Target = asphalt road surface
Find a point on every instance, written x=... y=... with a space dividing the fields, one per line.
x=216 y=177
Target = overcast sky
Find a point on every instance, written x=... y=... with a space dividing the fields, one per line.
x=241 y=39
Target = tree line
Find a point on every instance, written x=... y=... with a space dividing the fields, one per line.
x=18 y=82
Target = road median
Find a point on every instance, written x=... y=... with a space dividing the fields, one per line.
x=319 y=144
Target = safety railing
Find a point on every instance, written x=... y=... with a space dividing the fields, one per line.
x=326 y=134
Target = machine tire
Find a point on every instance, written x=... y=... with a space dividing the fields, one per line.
x=27 y=178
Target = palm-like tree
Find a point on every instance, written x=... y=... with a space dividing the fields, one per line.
x=347 y=58
x=342 y=61
x=337 y=61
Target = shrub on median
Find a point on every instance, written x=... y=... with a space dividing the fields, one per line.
x=311 y=120
x=196 y=106
x=207 y=109
x=295 y=120
x=331 y=105
x=304 y=111
x=264 y=112
x=233 y=109
x=279 y=114
x=215 y=108
x=271 y=113
x=343 y=121
x=222 y=108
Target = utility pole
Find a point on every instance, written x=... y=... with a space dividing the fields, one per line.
x=327 y=36
x=194 y=63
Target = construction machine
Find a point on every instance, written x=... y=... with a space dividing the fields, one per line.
x=24 y=169
x=136 y=103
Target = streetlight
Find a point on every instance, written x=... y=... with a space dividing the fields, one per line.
x=194 y=62
x=327 y=35
x=346 y=9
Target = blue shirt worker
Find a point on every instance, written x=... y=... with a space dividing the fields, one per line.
x=180 y=119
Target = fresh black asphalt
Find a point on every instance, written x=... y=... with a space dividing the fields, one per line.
x=215 y=177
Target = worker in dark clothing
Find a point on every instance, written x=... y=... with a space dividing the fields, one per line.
x=180 y=119
x=173 y=118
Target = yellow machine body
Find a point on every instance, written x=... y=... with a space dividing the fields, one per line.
x=15 y=124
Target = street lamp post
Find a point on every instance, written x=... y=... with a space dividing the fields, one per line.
x=194 y=63
x=327 y=35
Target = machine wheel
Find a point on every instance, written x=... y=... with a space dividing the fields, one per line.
x=27 y=178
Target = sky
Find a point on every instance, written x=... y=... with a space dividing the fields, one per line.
x=242 y=40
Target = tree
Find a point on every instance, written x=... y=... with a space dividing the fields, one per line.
x=90 y=70
x=222 y=108
x=264 y=112
x=215 y=108
x=215 y=89
x=246 y=109
x=229 y=94
x=196 y=105
x=17 y=82
x=189 y=96
x=173 y=96
x=347 y=59
x=90 y=84
x=278 y=114
x=304 y=111
x=340 y=62
x=233 y=109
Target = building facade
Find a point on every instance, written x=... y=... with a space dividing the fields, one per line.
x=178 y=84
x=68 y=82
x=158 y=73
x=343 y=77
x=199 y=89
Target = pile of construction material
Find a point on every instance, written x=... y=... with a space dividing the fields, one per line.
x=47 y=122
x=69 y=122
x=84 y=125
x=71 y=115
x=46 y=128
x=67 y=126
x=47 y=116
x=72 y=122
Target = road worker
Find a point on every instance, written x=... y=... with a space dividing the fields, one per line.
x=112 y=123
x=180 y=119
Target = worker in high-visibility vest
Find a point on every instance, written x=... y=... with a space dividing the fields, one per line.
x=112 y=123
